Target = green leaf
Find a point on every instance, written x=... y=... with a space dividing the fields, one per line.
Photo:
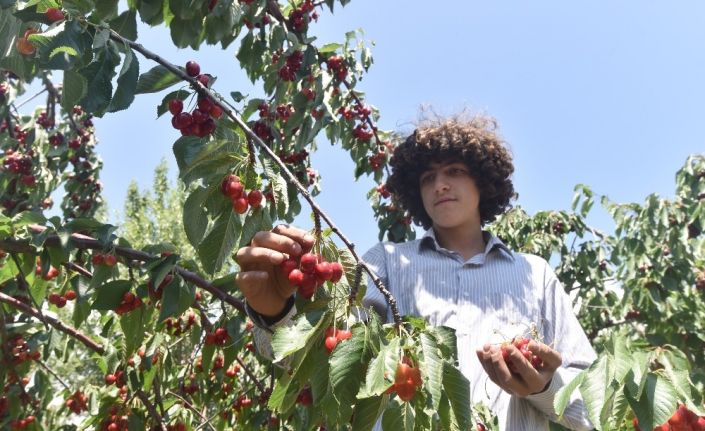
x=127 y=83
x=433 y=367
x=346 y=370
x=109 y=295
x=61 y=46
x=457 y=388
x=186 y=32
x=218 y=244
x=177 y=298
x=105 y=9
x=75 y=86
x=159 y=268
x=399 y=417
x=156 y=79
x=656 y=404
x=10 y=27
x=99 y=75
x=329 y=47
x=381 y=371
x=367 y=411
x=594 y=388
x=288 y=339
x=133 y=328
x=447 y=341
x=562 y=397
x=195 y=219
x=26 y=218
x=126 y=25
x=255 y=221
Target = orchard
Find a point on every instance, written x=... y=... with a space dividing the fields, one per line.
x=103 y=329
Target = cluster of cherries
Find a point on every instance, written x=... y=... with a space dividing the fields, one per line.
x=181 y=325
x=522 y=344
x=377 y=160
x=51 y=274
x=219 y=337
x=233 y=189
x=77 y=402
x=310 y=272
x=156 y=294
x=114 y=420
x=336 y=65
x=129 y=302
x=240 y=402
x=18 y=350
x=19 y=424
x=104 y=259
x=60 y=300
x=682 y=420
x=382 y=190
x=292 y=158
x=406 y=379
x=334 y=336
x=291 y=66
x=20 y=164
x=298 y=16
x=201 y=121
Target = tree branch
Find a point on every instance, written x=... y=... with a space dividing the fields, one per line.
x=26 y=309
x=150 y=408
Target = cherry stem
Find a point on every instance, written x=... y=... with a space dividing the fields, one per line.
x=203 y=90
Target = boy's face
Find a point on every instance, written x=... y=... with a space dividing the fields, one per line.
x=450 y=196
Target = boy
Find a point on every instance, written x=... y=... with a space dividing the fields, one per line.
x=453 y=177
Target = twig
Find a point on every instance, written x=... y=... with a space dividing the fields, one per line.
x=77 y=268
x=26 y=309
x=150 y=408
x=189 y=406
x=53 y=374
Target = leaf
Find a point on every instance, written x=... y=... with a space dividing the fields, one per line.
x=367 y=411
x=447 y=341
x=563 y=396
x=126 y=25
x=127 y=83
x=109 y=295
x=329 y=47
x=186 y=32
x=62 y=45
x=457 y=388
x=346 y=370
x=656 y=404
x=75 y=86
x=156 y=79
x=399 y=417
x=218 y=244
x=177 y=298
x=99 y=74
x=288 y=339
x=594 y=388
x=26 y=218
x=433 y=368
x=255 y=221
x=381 y=371
x=195 y=219
x=133 y=327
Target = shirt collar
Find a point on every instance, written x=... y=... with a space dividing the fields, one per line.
x=429 y=241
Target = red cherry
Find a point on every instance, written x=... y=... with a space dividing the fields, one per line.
x=254 y=198
x=337 y=271
x=110 y=379
x=216 y=111
x=53 y=14
x=205 y=104
x=330 y=343
x=53 y=298
x=176 y=106
x=343 y=334
x=70 y=295
x=308 y=262
x=288 y=265
x=192 y=68
x=110 y=260
x=240 y=205
x=324 y=271
x=204 y=79
x=307 y=290
x=232 y=187
x=296 y=277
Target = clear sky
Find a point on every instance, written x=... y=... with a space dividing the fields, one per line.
x=609 y=94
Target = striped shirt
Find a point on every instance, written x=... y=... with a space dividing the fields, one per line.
x=489 y=298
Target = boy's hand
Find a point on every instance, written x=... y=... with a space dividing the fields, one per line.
x=260 y=279
x=527 y=380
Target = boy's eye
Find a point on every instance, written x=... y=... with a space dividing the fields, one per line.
x=426 y=179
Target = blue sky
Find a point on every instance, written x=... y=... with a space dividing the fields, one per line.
x=609 y=94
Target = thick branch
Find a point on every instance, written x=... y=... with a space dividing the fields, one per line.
x=289 y=177
x=26 y=309
x=86 y=242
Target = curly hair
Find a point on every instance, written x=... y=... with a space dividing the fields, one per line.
x=473 y=141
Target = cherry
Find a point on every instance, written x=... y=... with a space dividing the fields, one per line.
x=254 y=198
x=204 y=79
x=323 y=271
x=231 y=186
x=110 y=379
x=110 y=260
x=192 y=68
x=53 y=14
x=289 y=265
x=70 y=295
x=296 y=277
x=216 y=111
x=337 y=271
x=308 y=262
x=98 y=259
x=330 y=343
x=176 y=106
x=240 y=205
x=24 y=46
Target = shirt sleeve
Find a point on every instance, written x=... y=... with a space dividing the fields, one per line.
x=562 y=330
x=375 y=258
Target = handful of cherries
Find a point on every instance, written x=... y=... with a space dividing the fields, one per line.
x=310 y=272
